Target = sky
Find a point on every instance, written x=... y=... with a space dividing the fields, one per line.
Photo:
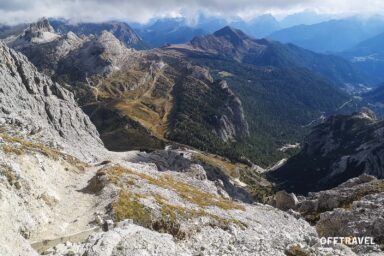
x=18 y=11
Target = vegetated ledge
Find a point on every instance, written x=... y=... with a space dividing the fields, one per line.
x=165 y=203
x=18 y=146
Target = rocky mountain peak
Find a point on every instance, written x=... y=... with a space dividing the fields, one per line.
x=37 y=33
x=124 y=33
x=108 y=40
x=231 y=125
x=228 y=41
x=231 y=34
x=40 y=31
x=42 y=25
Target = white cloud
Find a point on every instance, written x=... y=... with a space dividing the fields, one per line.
x=15 y=11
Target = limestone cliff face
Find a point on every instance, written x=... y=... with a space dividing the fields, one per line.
x=232 y=124
x=40 y=107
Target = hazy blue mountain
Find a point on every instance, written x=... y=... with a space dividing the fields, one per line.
x=307 y=17
x=330 y=36
x=375 y=100
x=258 y=27
x=209 y=23
x=368 y=56
x=376 y=95
x=168 y=30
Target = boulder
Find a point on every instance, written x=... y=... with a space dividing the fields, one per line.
x=285 y=201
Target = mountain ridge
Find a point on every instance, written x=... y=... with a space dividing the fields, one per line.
x=234 y=43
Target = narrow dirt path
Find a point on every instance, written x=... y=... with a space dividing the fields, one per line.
x=73 y=211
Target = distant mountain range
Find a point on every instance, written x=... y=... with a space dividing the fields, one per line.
x=307 y=29
x=331 y=36
x=168 y=31
x=179 y=30
x=233 y=43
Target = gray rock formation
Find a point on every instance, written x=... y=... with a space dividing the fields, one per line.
x=182 y=161
x=43 y=46
x=363 y=218
x=120 y=30
x=41 y=108
x=41 y=31
x=341 y=148
x=98 y=56
x=79 y=56
x=37 y=33
x=135 y=240
x=285 y=201
x=354 y=208
x=231 y=124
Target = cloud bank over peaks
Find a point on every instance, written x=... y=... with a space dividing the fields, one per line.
x=18 y=11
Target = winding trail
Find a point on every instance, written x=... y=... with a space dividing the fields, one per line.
x=73 y=211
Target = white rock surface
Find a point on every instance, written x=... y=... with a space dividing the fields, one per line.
x=43 y=109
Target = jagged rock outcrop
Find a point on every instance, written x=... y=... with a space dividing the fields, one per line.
x=37 y=33
x=285 y=201
x=79 y=56
x=42 y=108
x=363 y=218
x=184 y=161
x=341 y=148
x=100 y=55
x=231 y=123
x=62 y=54
x=43 y=46
x=352 y=209
x=120 y=30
